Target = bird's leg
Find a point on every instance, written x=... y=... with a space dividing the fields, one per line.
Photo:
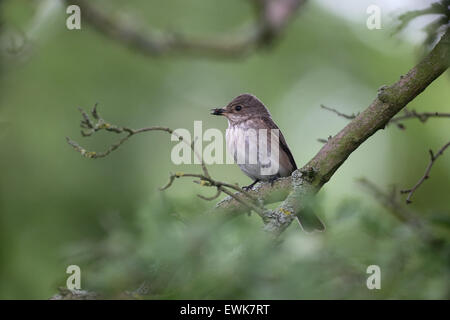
x=250 y=185
x=272 y=180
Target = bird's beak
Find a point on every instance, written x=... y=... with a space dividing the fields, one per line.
x=218 y=111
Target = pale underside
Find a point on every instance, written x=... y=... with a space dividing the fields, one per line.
x=255 y=147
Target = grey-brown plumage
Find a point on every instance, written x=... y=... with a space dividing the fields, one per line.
x=246 y=116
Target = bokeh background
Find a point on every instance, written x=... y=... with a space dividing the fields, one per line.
x=108 y=216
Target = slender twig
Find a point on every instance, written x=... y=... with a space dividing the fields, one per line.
x=399 y=210
x=324 y=140
x=389 y=200
x=257 y=208
x=97 y=123
x=408 y=114
x=204 y=179
x=426 y=175
x=440 y=9
x=421 y=116
x=340 y=114
x=218 y=193
x=90 y=127
x=294 y=191
x=388 y=102
x=253 y=204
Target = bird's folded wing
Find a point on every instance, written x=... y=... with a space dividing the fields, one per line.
x=286 y=158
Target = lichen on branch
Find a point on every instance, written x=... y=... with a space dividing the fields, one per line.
x=388 y=102
x=294 y=192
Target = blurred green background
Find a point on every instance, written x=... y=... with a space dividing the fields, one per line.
x=108 y=216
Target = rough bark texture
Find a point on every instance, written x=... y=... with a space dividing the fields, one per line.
x=318 y=171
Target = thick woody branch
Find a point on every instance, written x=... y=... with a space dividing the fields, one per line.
x=296 y=190
x=273 y=16
x=319 y=170
x=389 y=101
x=400 y=211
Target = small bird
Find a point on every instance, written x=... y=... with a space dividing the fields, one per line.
x=257 y=144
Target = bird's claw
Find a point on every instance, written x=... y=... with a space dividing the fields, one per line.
x=246 y=188
x=272 y=181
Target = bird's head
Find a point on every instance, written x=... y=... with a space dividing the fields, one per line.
x=241 y=108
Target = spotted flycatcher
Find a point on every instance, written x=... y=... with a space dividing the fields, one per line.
x=257 y=144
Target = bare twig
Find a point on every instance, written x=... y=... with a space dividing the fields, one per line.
x=413 y=114
x=421 y=116
x=253 y=204
x=389 y=200
x=389 y=101
x=214 y=197
x=441 y=9
x=399 y=210
x=90 y=127
x=304 y=183
x=324 y=140
x=97 y=123
x=426 y=175
x=340 y=114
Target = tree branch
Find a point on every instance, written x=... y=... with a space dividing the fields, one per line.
x=422 y=116
x=413 y=114
x=274 y=15
x=398 y=210
x=91 y=126
x=426 y=175
x=440 y=8
x=318 y=171
x=340 y=114
x=295 y=191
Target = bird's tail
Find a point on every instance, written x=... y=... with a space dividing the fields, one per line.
x=310 y=223
x=307 y=218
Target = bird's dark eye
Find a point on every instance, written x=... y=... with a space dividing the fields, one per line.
x=238 y=108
